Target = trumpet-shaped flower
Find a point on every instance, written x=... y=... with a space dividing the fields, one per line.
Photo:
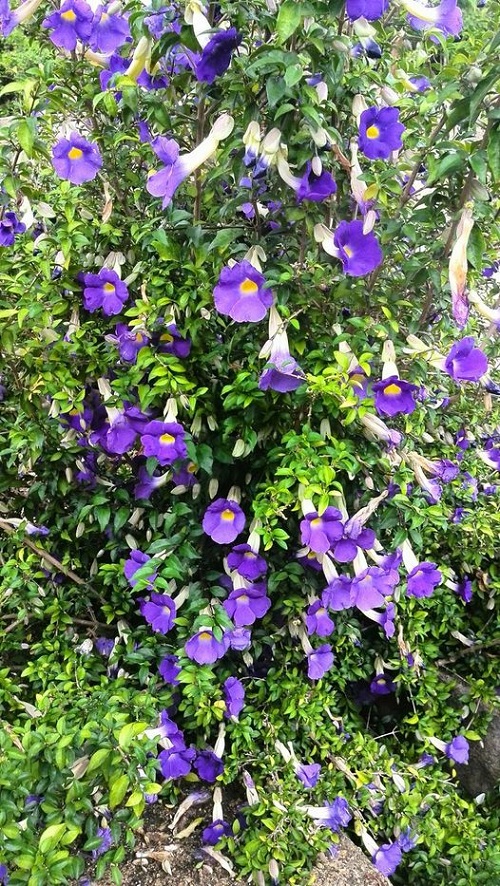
x=129 y=341
x=387 y=858
x=319 y=661
x=10 y=19
x=359 y=253
x=169 y=669
x=205 y=648
x=458 y=750
x=72 y=22
x=109 y=31
x=445 y=17
x=380 y=132
x=457 y=269
x=166 y=441
x=465 y=362
x=368 y=9
x=159 y=612
x=9 y=227
x=318 y=621
x=244 y=605
x=216 y=56
x=320 y=533
x=246 y=562
x=309 y=186
x=423 y=580
x=282 y=373
x=135 y=562
x=76 y=159
x=208 y=765
x=170 y=341
x=177 y=167
x=215 y=831
x=104 y=290
x=241 y=293
x=223 y=521
x=234 y=695
x=394 y=396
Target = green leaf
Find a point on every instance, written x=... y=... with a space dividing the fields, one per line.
x=293 y=74
x=493 y=153
x=26 y=132
x=449 y=163
x=98 y=758
x=128 y=732
x=476 y=248
x=118 y=790
x=289 y=18
x=275 y=89
x=51 y=837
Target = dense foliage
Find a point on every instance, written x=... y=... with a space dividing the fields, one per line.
x=248 y=298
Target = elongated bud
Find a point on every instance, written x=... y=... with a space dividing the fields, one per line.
x=140 y=58
x=457 y=270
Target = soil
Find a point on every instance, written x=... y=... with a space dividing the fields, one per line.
x=174 y=855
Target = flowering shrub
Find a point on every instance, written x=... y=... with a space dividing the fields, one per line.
x=249 y=517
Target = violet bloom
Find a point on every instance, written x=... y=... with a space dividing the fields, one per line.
x=458 y=750
x=387 y=858
x=308 y=774
x=282 y=373
x=76 y=159
x=394 y=396
x=245 y=605
x=146 y=484
x=420 y=84
x=385 y=618
x=315 y=188
x=186 y=475
x=208 y=765
x=169 y=669
x=204 y=648
x=334 y=815
x=159 y=612
x=72 y=22
x=129 y=341
x=234 y=696
x=239 y=639
x=368 y=9
x=215 y=831
x=106 y=842
x=466 y=362
x=109 y=31
x=406 y=840
x=104 y=646
x=319 y=533
x=104 y=290
x=354 y=536
x=171 y=342
x=216 y=55
x=380 y=132
x=464 y=590
x=337 y=595
x=241 y=293
x=4 y=875
x=382 y=685
x=319 y=661
x=9 y=227
x=370 y=588
x=490 y=455
x=359 y=253
x=223 y=521
x=165 y=441
x=246 y=562
x=176 y=761
x=318 y=621
x=423 y=580
x=117 y=437
x=135 y=562
x=446 y=17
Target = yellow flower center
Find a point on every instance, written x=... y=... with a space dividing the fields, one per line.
x=244 y=599
x=372 y=131
x=191 y=468
x=392 y=390
x=348 y=251
x=139 y=337
x=316 y=522
x=108 y=288
x=166 y=337
x=75 y=153
x=227 y=515
x=248 y=287
x=249 y=555
x=205 y=637
x=167 y=439
x=68 y=16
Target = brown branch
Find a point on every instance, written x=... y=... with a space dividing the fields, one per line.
x=44 y=555
x=468 y=650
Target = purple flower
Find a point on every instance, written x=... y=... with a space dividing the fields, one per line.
x=369 y=9
x=223 y=521
x=394 y=396
x=354 y=536
x=382 y=685
x=76 y=159
x=215 y=831
x=129 y=341
x=446 y=17
x=337 y=595
x=244 y=605
x=246 y=562
x=458 y=750
x=319 y=533
x=308 y=774
x=282 y=373
x=204 y=648
x=216 y=55
x=171 y=342
x=380 y=132
x=406 y=840
x=146 y=484
x=169 y=669
x=109 y=31
x=136 y=560
x=239 y=639
x=490 y=455
x=165 y=441
x=9 y=227
x=186 y=475
x=104 y=290
x=176 y=761
x=423 y=580
x=4 y=875
x=359 y=253
x=385 y=618
x=234 y=694
x=319 y=661
x=334 y=815
x=241 y=293
x=420 y=84
x=104 y=646
x=208 y=765
x=72 y=22
x=106 y=842
x=366 y=591
x=318 y=621
x=387 y=858
x=464 y=590
x=315 y=187
x=159 y=612
x=466 y=362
